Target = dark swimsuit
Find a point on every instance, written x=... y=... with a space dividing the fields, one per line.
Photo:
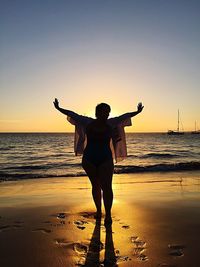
x=98 y=149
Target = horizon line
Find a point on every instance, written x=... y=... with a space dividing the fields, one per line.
x=74 y=132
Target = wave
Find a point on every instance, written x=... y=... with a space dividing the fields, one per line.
x=119 y=169
x=181 y=166
x=22 y=176
x=6 y=148
x=159 y=155
x=155 y=155
x=42 y=166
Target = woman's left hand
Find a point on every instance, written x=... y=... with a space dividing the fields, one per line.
x=140 y=107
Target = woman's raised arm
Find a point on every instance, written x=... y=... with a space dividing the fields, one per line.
x=73 y=117
x=125 y=118
x=131 y=114
x=64 y=111
x=139 y=109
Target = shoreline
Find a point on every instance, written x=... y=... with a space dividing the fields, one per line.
x=116 y=173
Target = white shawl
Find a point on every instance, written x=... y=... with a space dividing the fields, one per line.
x=118 y=140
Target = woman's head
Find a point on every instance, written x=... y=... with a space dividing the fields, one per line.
x=102 y=111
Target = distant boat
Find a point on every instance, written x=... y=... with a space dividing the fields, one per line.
x=195 y=129
x=177 y=132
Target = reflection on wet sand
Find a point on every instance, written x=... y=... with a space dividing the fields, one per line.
x=93 y=254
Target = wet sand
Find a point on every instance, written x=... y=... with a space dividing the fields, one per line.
x=50 y=223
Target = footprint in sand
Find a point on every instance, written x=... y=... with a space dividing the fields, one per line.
x=142 y=257
x=43 y=230
x=120 y=258
x=61 y=215
x=125 y=226
x=176 y=250
x=81 y=227
x=177 y=253
x=138 y=251
x=138 y=248
x=139 y=244
x=80 y=224
x=81 y=248
x=134 y=238
x=88 y=215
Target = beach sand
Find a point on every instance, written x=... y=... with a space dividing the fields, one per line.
x=49 y=222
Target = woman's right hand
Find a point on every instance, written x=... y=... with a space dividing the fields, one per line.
x=56 y=103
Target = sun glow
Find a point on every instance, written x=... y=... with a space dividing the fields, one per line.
x=119 y=60
x=113 y=113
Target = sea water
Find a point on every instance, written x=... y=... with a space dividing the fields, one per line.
x=37 y=155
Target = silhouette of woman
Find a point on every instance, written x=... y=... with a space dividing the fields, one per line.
x=99 y=141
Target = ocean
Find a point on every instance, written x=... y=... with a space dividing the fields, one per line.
x=45 y=155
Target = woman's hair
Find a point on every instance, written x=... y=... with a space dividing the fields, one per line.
x=101 y=107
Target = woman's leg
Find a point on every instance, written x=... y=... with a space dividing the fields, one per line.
x=105 y=174
x=91 y=171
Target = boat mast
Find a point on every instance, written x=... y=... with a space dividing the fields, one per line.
x=178 y=122
x=195 y=126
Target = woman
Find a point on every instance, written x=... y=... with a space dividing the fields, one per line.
x=99 y=141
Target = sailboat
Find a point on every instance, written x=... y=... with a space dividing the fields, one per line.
x=195 y=129
x=178 y=132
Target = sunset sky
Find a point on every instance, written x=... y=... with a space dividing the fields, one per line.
x=90 y=51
